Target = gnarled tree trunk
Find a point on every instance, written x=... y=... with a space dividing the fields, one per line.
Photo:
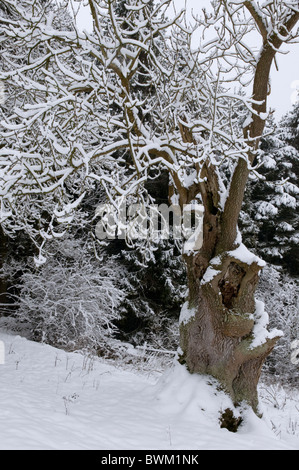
x=223 y=328
x=219 y=323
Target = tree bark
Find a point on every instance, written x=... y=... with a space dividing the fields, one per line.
x=220 y=318
x=217 y=333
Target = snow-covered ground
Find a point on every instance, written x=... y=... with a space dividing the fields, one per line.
x=51 y=399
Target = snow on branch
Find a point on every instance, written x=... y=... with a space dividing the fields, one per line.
x=133 y=96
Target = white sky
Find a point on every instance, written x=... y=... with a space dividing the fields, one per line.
x=284 y=82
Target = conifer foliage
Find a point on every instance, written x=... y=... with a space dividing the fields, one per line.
x=270 y=221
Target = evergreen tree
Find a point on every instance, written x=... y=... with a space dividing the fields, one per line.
x=290 y=125
x=269 y=220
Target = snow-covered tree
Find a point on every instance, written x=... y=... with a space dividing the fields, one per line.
x=280 y=293
x=157 y=289
x=33 y=211
x=270 y=211
x=72 y=301
x=83 y=114
x=290 y=125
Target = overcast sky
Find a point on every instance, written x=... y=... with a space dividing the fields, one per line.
x=284 y=82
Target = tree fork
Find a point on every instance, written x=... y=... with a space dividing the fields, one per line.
x=218 y=325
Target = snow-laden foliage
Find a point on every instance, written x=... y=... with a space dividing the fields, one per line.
x=153 y=298
x=280 y=294
x=71 y=301
x=132 y=95
x=112 y=104
x=33 y=212
x=290 y=125
x=269 y=220
x=90 y=99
